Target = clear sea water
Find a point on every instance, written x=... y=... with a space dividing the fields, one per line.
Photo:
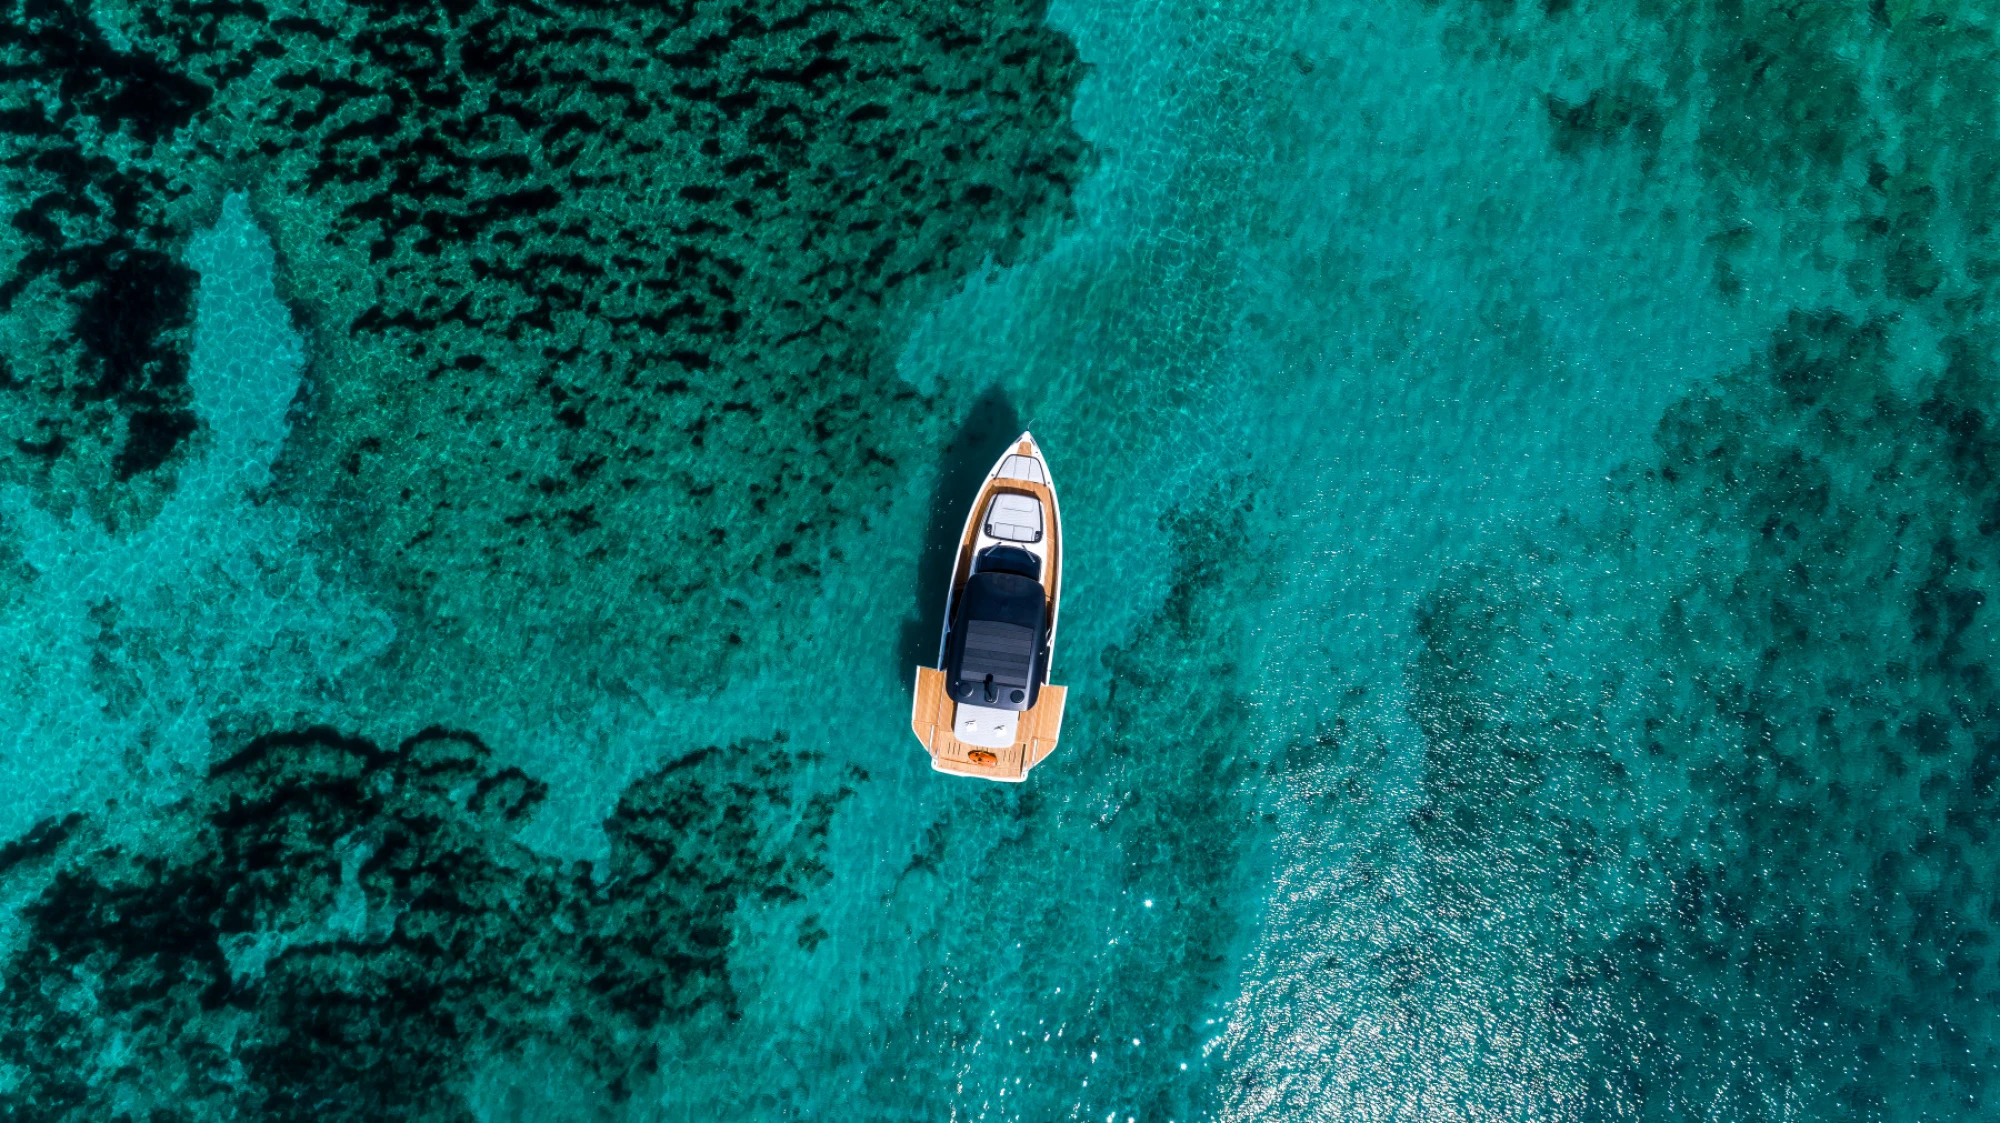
x=1532 y=477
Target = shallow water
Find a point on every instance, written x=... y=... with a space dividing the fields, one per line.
x=1531 y=480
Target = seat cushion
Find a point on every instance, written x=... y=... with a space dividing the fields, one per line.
x=1015 y=518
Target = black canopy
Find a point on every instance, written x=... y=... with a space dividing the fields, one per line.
x=996 y=641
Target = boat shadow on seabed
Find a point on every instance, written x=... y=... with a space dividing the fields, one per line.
x=968 y=456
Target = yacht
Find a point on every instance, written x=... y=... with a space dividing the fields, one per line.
x=987 y=709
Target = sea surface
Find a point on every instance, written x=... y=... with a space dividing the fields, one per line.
x=476 y=477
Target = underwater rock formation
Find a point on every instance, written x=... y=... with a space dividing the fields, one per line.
x=1723 y=764
x=337 y=931
x=1758 y=710
x=590 y=286
x=1866 y=119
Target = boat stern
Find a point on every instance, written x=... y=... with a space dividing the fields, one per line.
x=934 y=719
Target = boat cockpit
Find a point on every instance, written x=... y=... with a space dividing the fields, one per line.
x=998 y=650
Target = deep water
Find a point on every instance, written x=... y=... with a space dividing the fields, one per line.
x=474 y=479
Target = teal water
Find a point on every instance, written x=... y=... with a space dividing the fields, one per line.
x=476 y=478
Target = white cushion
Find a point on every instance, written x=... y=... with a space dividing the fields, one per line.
x=977 y=725
x=1015 y=518
x=1018 y=467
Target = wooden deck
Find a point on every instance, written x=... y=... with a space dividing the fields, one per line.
x=931 y=718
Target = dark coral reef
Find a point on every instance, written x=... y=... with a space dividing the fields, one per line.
x=1872 y=120
x=344 y=929
x=1787 y=615
x=590 y=285
x=1792 y=629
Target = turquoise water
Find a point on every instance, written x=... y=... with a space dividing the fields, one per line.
x=478 y=478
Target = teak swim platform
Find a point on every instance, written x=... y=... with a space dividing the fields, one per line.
x=987 y=708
